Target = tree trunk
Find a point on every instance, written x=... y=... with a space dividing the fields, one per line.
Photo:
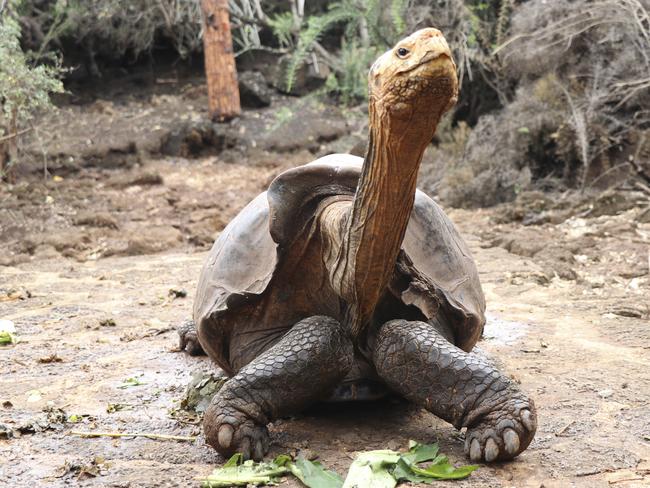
x=223 y=91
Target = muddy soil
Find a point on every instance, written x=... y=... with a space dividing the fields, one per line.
x=94 y=273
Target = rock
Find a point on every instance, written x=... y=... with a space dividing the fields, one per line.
x=360 y=148
x=143 y=178
x=643 y=216
x=177 y=293
x=66 y=240
x=309 y=76
x=6 y=432
x=354 y=144
x=12 y=259
x=52 y=358
x=525 y=247
x=253 y=90
x=46 y=251
x=605 y=393
x=611 y=202
x=196 y=138
x=155 y=240
x=14 y=293
x=97 y=219
x=464 y=189
x=637 y=312
x=203 y=234
x=308 y=454
x=309 y=128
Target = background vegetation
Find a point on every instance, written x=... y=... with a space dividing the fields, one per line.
x=554 y=94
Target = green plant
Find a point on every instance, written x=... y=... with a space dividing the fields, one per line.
x=365 y=32
x=350 y=84
x=25 y=89
x=315 y=27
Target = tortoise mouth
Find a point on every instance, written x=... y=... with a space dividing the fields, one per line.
x=433 y=64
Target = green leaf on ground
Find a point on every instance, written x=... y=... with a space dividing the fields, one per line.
x=7 y=332
x=418 y=453
x=233 y=461
x=236 y=473
x=6 y=338
x=129 y=382
x=403 y=472
x=314 y=475
x=371 y=469
x=444 y=471
x=439 y=468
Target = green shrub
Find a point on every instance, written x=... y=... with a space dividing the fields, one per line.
x=365 y=27
x=24 y=89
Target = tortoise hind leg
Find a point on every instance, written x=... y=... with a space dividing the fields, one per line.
x=301 y=368
x=188 y=339
x=418 y=362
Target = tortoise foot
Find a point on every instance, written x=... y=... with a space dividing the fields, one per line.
x=503 y=433
x=304 y=366
x=230 y=431
x=188 y=339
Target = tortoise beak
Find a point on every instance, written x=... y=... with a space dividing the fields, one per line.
x=437 y=54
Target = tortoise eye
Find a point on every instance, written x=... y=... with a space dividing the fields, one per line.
x=402 y=52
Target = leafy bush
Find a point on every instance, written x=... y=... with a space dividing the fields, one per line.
x=24 y=90
x=365 y=27
x=115 y=28
x=599 y=52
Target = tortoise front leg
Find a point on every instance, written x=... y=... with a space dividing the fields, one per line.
x=188 y=339
x=419 y=363
x=304 y=366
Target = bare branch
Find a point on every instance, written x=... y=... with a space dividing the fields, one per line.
x=8 y=137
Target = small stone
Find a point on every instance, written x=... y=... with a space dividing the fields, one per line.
x=253 y=90
x=177 y=293
x=605 y=393
x=156 y=239
x=52 y=358
x=308 y=454
x=5 y=432
x=644 y=216
x=96 y=219
x=393 y=445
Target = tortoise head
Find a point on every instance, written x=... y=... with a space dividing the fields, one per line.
x=416 y=80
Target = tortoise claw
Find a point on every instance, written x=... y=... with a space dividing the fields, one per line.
x=511 y=441
x=475 y=453
x=230 y=431
x=502 y=434
x=225 y=436
x=491 y=450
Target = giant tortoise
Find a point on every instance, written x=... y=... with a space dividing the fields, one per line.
x=342 y=281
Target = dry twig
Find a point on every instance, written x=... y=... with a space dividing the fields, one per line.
x=162 y=437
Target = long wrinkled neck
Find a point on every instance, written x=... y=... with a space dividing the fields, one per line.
x=381 y=211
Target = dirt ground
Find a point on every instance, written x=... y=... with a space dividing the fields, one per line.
x=101 y=265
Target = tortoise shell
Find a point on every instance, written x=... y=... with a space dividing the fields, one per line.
x=434 y=274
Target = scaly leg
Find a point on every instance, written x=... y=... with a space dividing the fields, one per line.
x=419 y=363
x=188 y=339
x=302 y=367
